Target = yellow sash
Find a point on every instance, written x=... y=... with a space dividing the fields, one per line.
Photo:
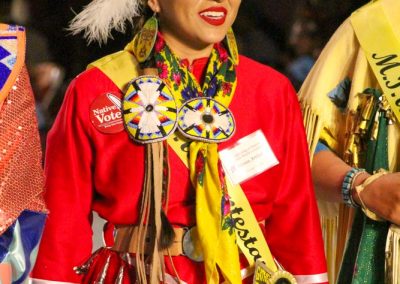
x=121 y=67
x=382 y=49
x=249 y=236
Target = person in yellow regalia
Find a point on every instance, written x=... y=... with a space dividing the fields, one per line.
x=351 y=110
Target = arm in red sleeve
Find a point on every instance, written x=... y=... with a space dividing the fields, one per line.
x=293 y=229
x=67 y=238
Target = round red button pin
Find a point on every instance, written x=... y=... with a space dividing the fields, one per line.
x=105 y=113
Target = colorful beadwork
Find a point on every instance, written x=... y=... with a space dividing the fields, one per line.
x=205 y=119
x=149 y=110
x=232 y=47
x=347 y=186
x=146 y=39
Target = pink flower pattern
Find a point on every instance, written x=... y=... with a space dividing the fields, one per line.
x=223 y=53
x=160 y=43
x=177 y=78
x=226 y=88
x=163 y=70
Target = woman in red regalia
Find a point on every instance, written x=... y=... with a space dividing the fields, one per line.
x=170 y=140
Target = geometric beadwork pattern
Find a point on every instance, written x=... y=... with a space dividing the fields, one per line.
x=149 y=110
x=206 y=120
x=8 y=52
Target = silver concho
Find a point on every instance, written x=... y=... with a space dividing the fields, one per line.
x=188 y=246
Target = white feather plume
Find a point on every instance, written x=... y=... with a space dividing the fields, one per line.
x=100 y=17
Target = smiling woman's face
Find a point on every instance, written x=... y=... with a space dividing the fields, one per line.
x=195 y=24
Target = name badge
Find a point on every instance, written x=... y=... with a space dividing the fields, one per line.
x=248 y=157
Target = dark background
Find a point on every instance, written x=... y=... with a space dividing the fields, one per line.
x=269 y=21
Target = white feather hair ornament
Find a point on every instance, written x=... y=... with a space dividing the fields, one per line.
x=100 y=17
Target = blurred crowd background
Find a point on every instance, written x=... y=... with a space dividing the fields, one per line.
x=286 y=34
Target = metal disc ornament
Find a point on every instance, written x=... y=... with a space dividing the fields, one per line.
x=205 y=119
x=188 y=246
x=149 y=110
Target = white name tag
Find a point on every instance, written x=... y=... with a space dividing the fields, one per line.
x=248 y=157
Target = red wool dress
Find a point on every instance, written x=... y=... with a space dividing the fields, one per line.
x=88 y=169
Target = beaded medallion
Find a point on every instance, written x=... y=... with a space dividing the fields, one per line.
x=149 y=110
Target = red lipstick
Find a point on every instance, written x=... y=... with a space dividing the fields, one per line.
x=214 y=15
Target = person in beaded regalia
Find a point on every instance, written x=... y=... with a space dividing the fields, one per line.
x=194 y=155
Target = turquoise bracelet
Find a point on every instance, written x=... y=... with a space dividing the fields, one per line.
x=347 y=186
